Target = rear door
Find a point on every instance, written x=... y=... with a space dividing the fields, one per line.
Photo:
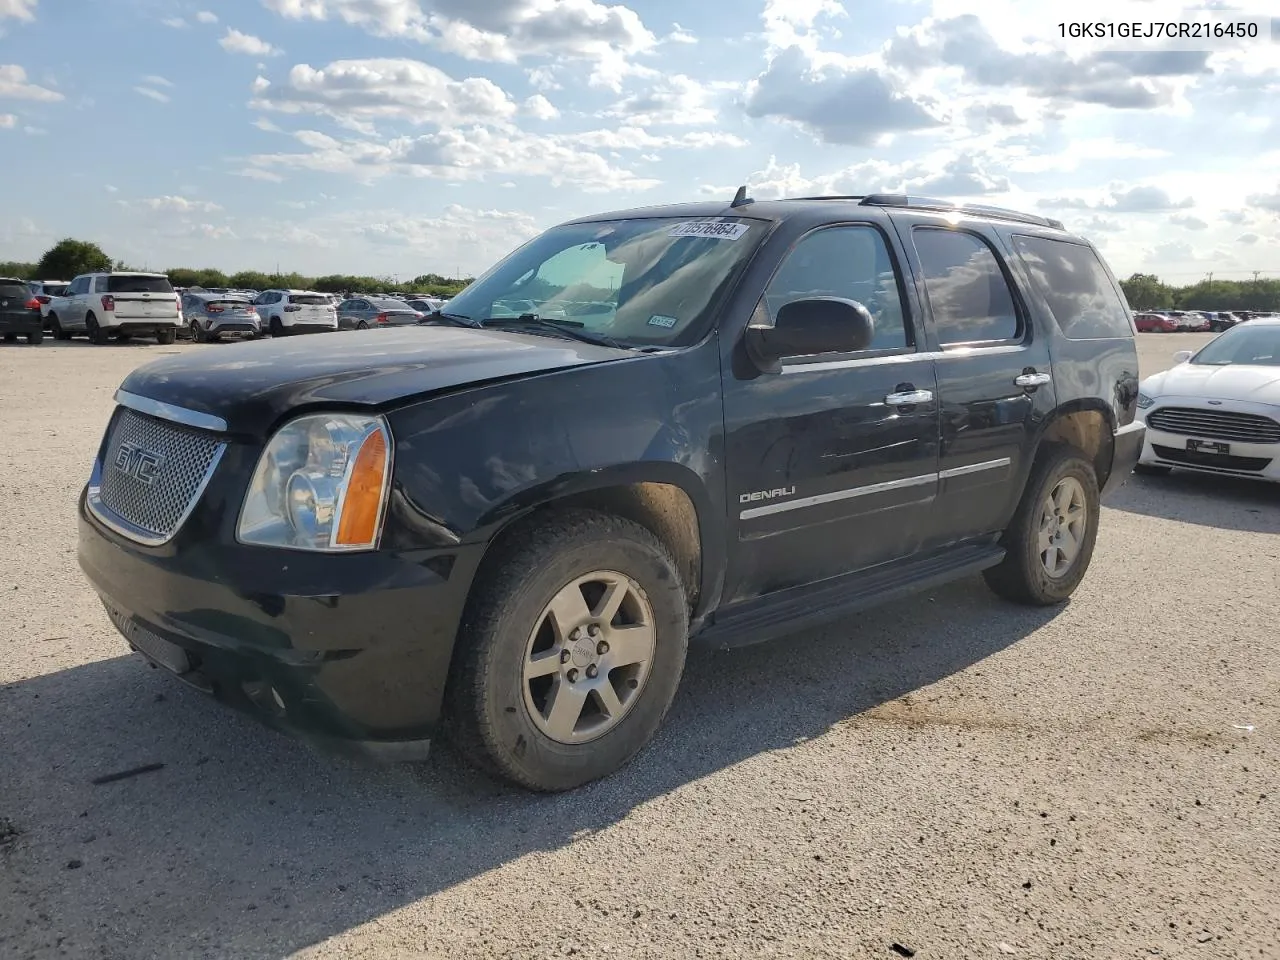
x=71 y=310
x=142 y=298
x=995 y=382
x=14 y=311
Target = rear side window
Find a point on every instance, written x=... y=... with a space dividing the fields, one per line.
x=126 y=284
x=310 y=299
x=969 y=296
x=14 y=291
x=1075 y=287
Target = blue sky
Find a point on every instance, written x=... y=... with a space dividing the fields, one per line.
x=399 y=137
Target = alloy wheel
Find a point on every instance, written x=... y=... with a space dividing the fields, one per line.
x=1064 y=519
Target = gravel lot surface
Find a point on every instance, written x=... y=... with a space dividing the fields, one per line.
x=952 y=774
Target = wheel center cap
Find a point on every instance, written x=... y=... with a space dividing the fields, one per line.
x=583 y=653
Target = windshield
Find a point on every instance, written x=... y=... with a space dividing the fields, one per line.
x=127 y=284
x=1258 y=345
x=640 y=282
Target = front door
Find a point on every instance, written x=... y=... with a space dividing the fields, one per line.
x=832 y=463
x=994 y=374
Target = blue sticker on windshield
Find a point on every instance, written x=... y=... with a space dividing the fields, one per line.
x=658 y=321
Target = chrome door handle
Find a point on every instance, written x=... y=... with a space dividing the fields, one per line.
x=1032 y=379
x=908 y=398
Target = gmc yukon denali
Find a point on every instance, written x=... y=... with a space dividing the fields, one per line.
x=713 y=422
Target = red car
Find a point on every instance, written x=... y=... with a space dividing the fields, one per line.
x=1154 y=323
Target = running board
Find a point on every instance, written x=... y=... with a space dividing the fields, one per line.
x=790 y=611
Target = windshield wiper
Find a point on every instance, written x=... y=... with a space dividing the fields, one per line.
x=572 y=328
x=456 y=319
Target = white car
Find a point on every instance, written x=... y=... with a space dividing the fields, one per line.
x=44 y=291
x=1217 y=411
x=120 y=305
x=296 y=311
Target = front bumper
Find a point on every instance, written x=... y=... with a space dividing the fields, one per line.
x=1128 y=447
x=1261 y=461
x=350 y=653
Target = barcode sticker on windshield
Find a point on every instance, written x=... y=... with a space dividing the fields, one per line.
x=715 y=229
x=661 y=321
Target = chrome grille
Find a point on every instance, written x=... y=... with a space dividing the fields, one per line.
x=155 y=499
x=1215 y=424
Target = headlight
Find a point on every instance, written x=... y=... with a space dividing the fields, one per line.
x=321 y=484
x=1144 y=401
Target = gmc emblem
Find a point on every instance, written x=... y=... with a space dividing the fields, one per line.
x=138 y=462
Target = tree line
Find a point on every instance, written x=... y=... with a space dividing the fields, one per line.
x=70 y=257
x=1145 y=291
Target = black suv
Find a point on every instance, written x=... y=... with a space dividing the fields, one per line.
x=711 y=422
x=19 y=312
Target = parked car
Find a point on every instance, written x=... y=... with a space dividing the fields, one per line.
x=44 y=291
x=361 y=313
x=121 y=305
x=1223 y=320
x=296 y=311
x=426 y=305
x=19 y=312
x=1218 y=410
x=211 y=317
x=1154 y=323
x=515 y=525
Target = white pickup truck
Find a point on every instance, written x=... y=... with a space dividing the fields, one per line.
x=103 y=305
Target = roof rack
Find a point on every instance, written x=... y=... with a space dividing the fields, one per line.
x=943 y=206
x=977 y=209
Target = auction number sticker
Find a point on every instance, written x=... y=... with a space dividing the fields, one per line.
x=715 y=229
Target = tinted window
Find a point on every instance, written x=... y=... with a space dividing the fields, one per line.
x=14 y=291
x=100 y=285
x=79 y=285
x=117 y=283
x=848 y=262
x=1075 y=287
x=967 y=291
x=310 y=299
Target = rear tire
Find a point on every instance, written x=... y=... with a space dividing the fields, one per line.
x=197 y=332
x=500 y=702
x=1049 y=542
x=10 y=338
x=1151 y=470
x=36 y=338
x=166 y=336
x=56 y=328
x=96 y=333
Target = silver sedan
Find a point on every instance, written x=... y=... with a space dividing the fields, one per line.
x=364 y=313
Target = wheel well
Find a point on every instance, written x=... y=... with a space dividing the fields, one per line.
x=1088 y=431
x=663 y=509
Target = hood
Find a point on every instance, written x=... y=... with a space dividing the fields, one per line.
x=251 y=385
x=1237 y=381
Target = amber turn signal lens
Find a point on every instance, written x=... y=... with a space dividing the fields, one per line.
x=363 y=502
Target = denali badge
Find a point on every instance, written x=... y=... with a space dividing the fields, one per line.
x=139 y=463
x=766 y=494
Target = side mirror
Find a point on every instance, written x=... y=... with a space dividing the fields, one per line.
x=806 y=328
x=1182 y=356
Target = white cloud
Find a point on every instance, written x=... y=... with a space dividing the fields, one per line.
x=8 y=121
x=155 y=95
x=177 y=23
x=256 y=173
x=34 y=131
x=111 y=189
x=265 y=124
x=679 y=34
x=674 y=100
x=544 y=79
x=1138 y=199
x=237 y=42
x=1188 y=221
x=1249 y=239
x=1265 y=201
x=357 y=92
x=170 y=204
x=205 y=16
x=14 y=86
x=540 y=108
x=18 y=9
x=497 y=30
x=157 y=81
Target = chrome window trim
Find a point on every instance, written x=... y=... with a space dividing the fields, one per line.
x=170 y=411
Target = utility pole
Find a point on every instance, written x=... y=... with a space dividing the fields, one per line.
x=1255 y=275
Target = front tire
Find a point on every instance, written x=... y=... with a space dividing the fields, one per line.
x=1049 y=542
x=573 y=645
x=277 y=328
x=36 y=338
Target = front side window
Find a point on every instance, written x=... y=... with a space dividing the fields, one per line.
x=651 y=281
x=1076 y=288
x=850 y=262
x=968 y=295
